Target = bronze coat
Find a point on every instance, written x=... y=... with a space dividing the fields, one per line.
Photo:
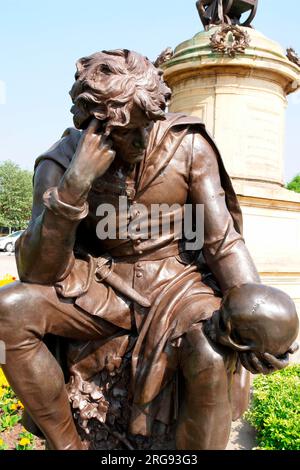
x=154 y=267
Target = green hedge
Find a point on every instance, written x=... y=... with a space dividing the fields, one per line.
x=275 y=410
x=294 y=185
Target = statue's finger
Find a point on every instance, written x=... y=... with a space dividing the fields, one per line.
x=244 y=358
x=93 y=126
x=261 y=366
x=278 y=364
x=265 y=367
x=256 y=363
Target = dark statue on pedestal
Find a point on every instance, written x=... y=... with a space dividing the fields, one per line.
x=125 y=332
x=214 y=12
x=293 y=56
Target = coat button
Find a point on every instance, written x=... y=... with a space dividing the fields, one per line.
x=138 y=265
x=139 y=275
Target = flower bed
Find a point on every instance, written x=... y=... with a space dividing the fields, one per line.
x=12 y=434
x=7 y=279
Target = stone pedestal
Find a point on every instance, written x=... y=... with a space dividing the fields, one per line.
x=242 y=101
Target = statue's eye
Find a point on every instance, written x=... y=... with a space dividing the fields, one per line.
x=105 y=69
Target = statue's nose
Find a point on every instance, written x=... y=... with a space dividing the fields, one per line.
x=140 y=141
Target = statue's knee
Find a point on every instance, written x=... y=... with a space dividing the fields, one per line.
x=13 y=301
x=200 y=358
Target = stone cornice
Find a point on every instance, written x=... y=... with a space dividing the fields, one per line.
x=266 y=203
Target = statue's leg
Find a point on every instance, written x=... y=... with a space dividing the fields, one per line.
x=27 y=313
x=205 y=414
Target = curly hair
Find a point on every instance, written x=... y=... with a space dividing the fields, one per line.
x=109 y=83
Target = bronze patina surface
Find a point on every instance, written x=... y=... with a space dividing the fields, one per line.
x=141 y=338
x=213 y=12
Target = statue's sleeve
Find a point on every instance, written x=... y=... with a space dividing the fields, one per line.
x=44 y=253
x=224 y=248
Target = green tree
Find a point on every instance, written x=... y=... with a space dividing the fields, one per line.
x=15 y=195
x=294 y=185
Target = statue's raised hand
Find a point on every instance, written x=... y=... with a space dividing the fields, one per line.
x=93 y=157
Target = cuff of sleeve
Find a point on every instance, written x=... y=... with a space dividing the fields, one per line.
x=60 y=208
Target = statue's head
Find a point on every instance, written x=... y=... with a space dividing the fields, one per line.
x=258 y=318
x=111 y=84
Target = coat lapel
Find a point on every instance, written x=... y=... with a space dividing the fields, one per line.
x=161 y=149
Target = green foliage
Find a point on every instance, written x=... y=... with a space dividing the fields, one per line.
x=15 y=195
x=275 y=410
x=9 y=407
x=294 y=185
x=26 y=441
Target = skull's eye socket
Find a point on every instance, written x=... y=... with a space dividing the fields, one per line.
x=237 y=338
x=222 y=326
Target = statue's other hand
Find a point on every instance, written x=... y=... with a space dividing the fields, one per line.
x=263 y=363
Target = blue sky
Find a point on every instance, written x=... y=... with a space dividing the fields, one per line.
x=41 y=40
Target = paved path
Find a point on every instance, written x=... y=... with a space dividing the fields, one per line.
x=242 y=436
x=8 y=264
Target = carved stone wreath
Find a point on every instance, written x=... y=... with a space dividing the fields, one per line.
x=230 y=40
x=165 y=55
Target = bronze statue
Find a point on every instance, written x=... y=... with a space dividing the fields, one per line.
x=213 y=12
x=293 y=56
x=132 y=311
x=165 y=55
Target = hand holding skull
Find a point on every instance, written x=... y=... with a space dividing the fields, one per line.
x=260 y=323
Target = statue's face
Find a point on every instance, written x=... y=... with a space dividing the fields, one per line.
x=130 y=142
